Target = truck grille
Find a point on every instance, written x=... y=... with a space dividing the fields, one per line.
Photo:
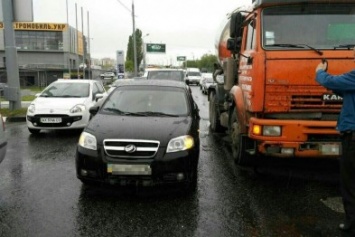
x=300 y=99
x=313 y=102
x=130 y=148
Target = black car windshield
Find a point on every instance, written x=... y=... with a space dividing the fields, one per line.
x=170 y=75
x=63 y=89
x=140 y=100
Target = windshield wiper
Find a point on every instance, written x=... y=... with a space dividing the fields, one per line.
x=348 y=46
x=70 y=96
x=300 y=46
x=151 y=113
x=117 y=111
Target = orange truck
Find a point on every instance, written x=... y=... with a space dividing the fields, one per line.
x=266 y=98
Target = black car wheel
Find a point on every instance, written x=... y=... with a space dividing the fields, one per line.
x=191 y=183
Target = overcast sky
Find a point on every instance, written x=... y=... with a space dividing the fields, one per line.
x=187 y=27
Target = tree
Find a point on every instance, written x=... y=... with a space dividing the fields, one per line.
x=130 y=50
x=206 y=62
x=129 y=66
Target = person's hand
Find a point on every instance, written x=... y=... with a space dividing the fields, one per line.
x=321 y=66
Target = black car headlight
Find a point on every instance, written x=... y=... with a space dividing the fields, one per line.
x=88 y=141
x=180 y=144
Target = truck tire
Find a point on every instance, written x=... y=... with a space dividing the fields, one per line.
x=213 y=114
x=238 y=142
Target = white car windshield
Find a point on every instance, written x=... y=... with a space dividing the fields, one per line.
x=67 y=90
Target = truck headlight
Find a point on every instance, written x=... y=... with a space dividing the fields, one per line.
x=77 y=108
x=88 y=141
x=180 y=144
x=272 y=131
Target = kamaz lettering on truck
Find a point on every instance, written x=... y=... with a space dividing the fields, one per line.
x=266 y=99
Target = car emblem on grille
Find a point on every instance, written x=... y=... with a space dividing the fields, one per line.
x=332 y=97
x=51 y=111
x=130 y=148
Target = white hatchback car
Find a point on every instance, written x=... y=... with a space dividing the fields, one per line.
x=64 y=104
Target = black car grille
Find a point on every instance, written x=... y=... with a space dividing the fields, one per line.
x=66 y=120
x=132 y=148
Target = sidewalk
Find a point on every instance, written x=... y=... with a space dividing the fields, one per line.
x=5 y=105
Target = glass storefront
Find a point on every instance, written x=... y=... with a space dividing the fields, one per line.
x=39 y=40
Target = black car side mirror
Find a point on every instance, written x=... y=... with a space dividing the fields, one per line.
x=93 y=110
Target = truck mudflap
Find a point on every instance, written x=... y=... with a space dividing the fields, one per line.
x=295 y=138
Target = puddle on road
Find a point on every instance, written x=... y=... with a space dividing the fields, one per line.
x=334 y=203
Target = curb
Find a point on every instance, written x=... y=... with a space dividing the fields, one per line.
x=15 y=119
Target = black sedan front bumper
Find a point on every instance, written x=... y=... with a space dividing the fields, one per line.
x=164 y=167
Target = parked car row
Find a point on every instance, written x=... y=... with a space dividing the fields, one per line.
x=139 y=132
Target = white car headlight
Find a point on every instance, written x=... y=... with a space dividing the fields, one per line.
x=31 y=109
x=273 y=131
x=180 y=144
x=88 y=141
x=78 y=108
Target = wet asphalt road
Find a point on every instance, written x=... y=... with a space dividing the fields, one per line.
x=41 y=196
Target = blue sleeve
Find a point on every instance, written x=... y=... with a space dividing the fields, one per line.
x=344 y=82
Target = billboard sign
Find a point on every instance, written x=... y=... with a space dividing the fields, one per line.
x=155 y=48
x=120 y=63
x=181 y=58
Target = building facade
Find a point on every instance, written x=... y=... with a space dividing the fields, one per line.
x=45 y=51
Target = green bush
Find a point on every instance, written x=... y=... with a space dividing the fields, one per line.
x=5 y=112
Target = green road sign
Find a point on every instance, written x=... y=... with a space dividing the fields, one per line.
x=155 y=48
x=181 y=58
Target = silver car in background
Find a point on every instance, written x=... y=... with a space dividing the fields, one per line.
x=206 y=82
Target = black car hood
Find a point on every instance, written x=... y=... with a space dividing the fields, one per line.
x=163 y=129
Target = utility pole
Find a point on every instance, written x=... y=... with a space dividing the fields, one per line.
x=69 y=37
x=89 y=53
x=134 y=42
x=84 y=48
x=77 y=40
x=13 y=78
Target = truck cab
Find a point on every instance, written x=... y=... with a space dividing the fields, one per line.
x=266 y=99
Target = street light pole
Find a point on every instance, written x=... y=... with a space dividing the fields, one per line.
x=89 y=53
x=12 y=71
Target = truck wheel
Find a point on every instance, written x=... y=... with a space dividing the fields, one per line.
x=238 y=142
x=213 y=114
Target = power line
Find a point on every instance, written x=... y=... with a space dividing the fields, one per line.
x=124 y=6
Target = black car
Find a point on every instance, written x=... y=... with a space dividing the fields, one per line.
x=146 y=132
